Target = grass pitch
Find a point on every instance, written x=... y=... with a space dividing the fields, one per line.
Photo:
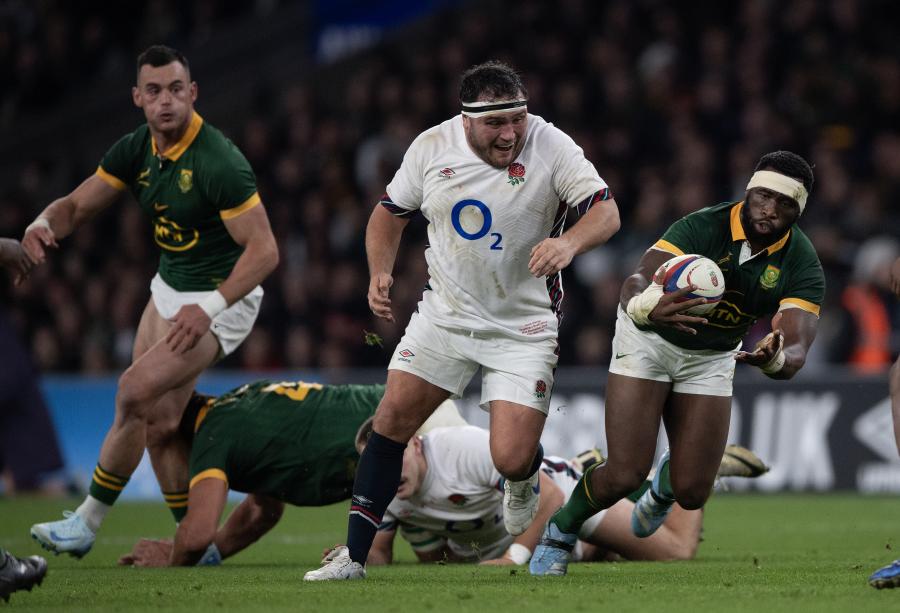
x=759 y=553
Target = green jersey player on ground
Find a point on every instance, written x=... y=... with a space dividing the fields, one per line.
x=216 y=246
x=289 y=442
x=670 y=365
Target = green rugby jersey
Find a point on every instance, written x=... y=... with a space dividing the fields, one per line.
x=292 y=441
x=187 y=193
x=786 y=272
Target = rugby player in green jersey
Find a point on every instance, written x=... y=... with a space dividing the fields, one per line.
x=216 y=248
x=289 y=442
x=671 y=365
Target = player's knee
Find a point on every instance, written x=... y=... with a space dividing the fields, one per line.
x=692 y=497
x=620 y=481
x=512 y=463
x=394 y=424
x=133 y=396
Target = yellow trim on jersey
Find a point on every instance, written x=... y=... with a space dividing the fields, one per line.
x=667 y=247
x=174 y=152
x=800 y=303
x=209 y=473
x=245 y=206
x=737 y=230
x=113 y=181
x=202 y=413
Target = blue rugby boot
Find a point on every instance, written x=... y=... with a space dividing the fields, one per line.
x=551 y=557
x=70 y=535
x=652 y=507
x=886 y=576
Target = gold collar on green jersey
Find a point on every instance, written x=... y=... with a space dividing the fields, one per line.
x=737 y=230
x=173 y=153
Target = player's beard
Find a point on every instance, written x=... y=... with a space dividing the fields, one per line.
x=761 y=238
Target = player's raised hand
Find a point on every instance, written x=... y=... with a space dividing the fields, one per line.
x=379 y=295
x=189 y=324
x=764 y=351
x=13 y=257
x=550 y=256
x=669 y=312
x=38 y=236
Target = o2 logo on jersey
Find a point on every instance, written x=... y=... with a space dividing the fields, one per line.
x=486 y=219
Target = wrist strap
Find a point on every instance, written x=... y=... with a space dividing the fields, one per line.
x=40 y=222
x=775 y=364
x=213 y=304
x=211 y=556
x=640 y=306
x=519 y=554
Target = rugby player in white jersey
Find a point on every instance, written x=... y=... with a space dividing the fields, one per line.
x=495 y=184
x=449 y=507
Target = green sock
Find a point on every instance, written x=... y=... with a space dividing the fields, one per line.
x=580 y=506
x=177 y=503
x=106 y=486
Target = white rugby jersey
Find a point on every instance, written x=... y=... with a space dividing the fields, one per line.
x=484 y=221
x=461 y=498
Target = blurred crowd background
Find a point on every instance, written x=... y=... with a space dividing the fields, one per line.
x=673 y=102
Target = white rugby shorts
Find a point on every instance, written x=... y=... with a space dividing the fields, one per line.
x=646 y=355
x=512 y=370
x=230 y=327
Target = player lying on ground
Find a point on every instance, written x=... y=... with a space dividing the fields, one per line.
x=449 y=507
x=280 y=443
x=678 y=368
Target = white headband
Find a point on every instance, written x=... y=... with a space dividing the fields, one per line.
x=480 y=109
x=777 y=182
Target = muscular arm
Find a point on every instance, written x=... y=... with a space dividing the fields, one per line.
x=550 y=501
x=638 y=282
x=65 y=214
x=251 y=231
x=197 y=530
x=668 y=311
x=249 y=521
x=382 y=240
x=594 y=228
x=382 y=551
x=799 y=328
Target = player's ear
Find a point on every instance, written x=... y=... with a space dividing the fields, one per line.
x=136 y=97
x=194 y=91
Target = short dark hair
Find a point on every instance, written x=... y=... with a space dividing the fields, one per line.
x=790 y=164
x=161 y=55
x=493 y=79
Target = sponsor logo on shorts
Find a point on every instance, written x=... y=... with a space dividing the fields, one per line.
x=405 y=355
x=540 y=389
x=447 y=172
x=619 y=356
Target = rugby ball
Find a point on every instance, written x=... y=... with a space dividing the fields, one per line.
x=692 y=269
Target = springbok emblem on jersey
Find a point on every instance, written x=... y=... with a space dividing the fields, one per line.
x=186 y=180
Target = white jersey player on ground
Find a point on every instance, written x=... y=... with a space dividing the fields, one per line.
x=494 y=184
x=449 y=508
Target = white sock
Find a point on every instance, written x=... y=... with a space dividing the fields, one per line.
x=92 y=511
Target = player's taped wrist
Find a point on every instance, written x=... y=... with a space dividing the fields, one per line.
x=40 y=222
x=213 y=304
x=211 y=557
x=775 y=364
x=640 y=306
x=519 y=554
